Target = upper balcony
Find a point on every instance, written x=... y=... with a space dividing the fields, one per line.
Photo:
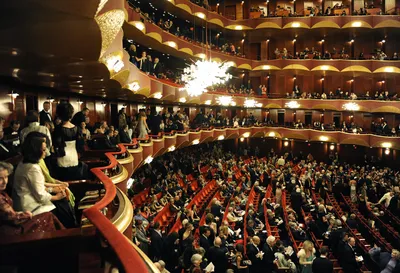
x=186 y=10
x=150 y=35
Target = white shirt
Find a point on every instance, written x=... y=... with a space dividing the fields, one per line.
x=29 y=191
x=36 y=127
x=386 y=197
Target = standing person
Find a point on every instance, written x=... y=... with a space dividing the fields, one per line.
x=142 y=125
x=122 y=118
x=306 y=256
x=66 y=146
x=143 y=63
x=157 y=242
x=32 y=120
x=79 y=117
x=322 y=264
x=45 y=114
x=348 y=257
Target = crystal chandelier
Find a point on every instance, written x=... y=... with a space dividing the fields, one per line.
x=351 y=106
x=203 y=74
x=226 y=101
x=250 y=103
x=292 y=104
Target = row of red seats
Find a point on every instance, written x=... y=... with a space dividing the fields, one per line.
x=271 y=230
x=360 y=240
x=318 y=242
x=199 y=200
x=254 y=199
x=376 y=235
x=285 y=203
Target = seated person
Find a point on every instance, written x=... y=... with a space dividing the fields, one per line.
x=11 y=133
x=6 y=150
x=30 y=191
x=21 y=222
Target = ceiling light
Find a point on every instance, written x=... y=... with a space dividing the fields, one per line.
x=323 y=138
x=13 y=94
x=171 y=149
x=247 y=134
x=114 y=63
x=158 y=95
x=139 y=25
x=292 y=104
x=356 y=24
x=148 y=159
x=183 y=100
x=133 y=86
x=241 y=139
x=238 y=27
x=286 y=143
x=207 y=102
x=325 y=67
x=389 y=69
x=271 y=134
x=196 y=141
x=221 y=137
x=295 y=24
x=351 y=106
x=171 y=44
x=386 y=145
x=203 y=74
x=387 y=151
x=200 y=15
x=266 y=67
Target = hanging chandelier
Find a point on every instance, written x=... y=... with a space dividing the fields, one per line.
x=351 y=106
x=203 y=74
x=250 y=103
x=226 y=101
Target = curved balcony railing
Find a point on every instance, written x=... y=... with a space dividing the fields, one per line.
x=153 y=36
x=190 y=9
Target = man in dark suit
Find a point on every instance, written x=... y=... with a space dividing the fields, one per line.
x=322 y=264
x=297 y=200
x=11 y=134
x=156 y=68
x=216 y=209
x=204 y=242
x=352 y=221
x=45 y=114
x=157 y=242
x=269 y=255
x=80 y=117
x=217 y=256
x=6 y=150
x=348 y=257
x=255 y=255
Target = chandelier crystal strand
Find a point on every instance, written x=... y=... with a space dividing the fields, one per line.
x=203 y=74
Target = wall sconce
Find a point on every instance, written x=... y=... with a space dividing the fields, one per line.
x=50 y=99
x=286 y=143
x=13 y=94
x=103 y=104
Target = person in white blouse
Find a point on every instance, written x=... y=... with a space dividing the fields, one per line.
x=30 y=191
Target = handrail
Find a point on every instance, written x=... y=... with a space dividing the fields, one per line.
x=126 y=254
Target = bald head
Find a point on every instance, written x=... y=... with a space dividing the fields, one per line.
x=217 y=242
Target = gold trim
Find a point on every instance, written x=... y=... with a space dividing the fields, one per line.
x=147 y=144
x=158 y=139
x=120 y=177
x=124 y=220
x=152 y=268
x=135 y=151
x=268 y=25
x=216 y=21
x=325 y=24
x=388 y=23
x=356 y=68
x=296 y=66
x=126 y=160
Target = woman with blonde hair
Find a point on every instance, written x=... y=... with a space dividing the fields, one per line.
x=306 y=256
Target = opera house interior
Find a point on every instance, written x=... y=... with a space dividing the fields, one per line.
x=199 y=136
